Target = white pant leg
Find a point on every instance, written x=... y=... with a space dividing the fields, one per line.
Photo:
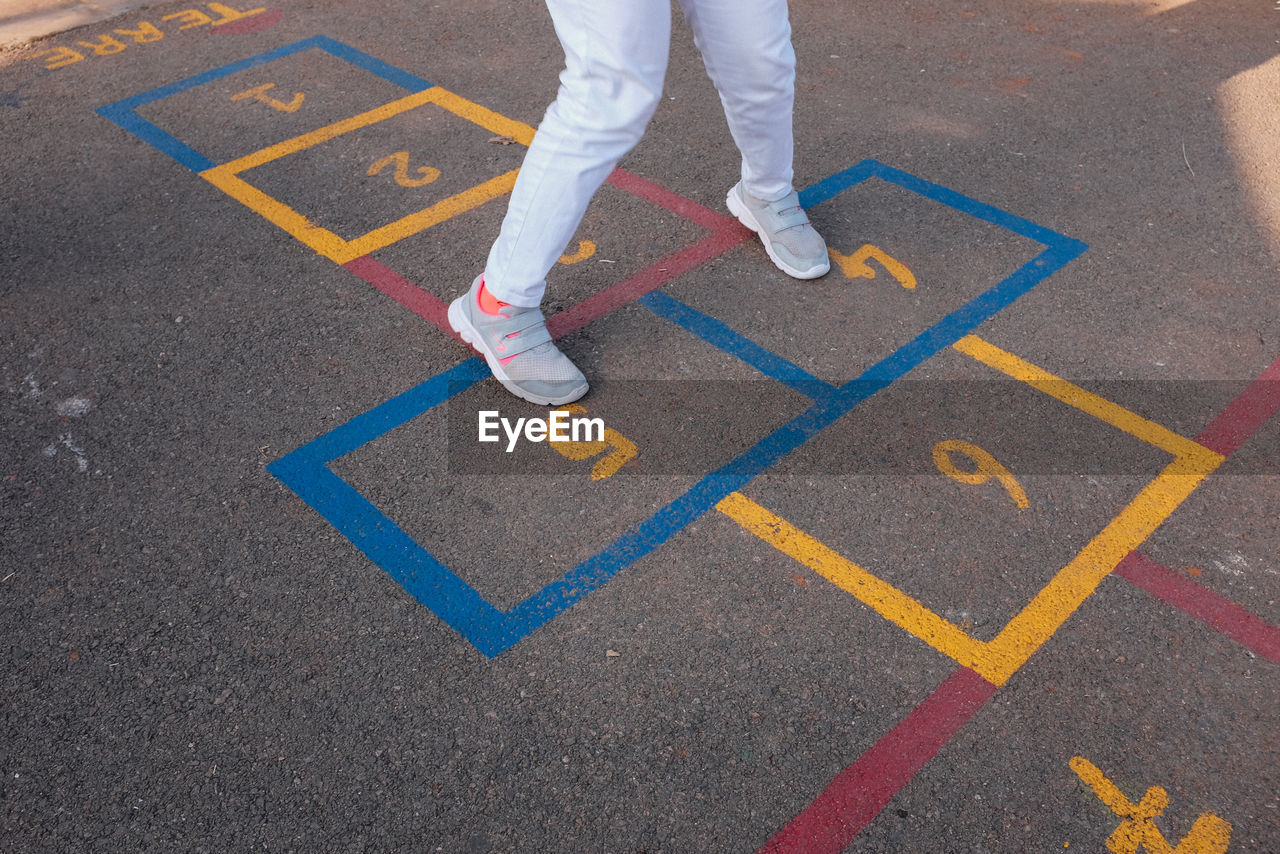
x=746 y=47
x=615 y=61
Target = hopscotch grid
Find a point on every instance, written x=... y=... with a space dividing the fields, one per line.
x=356 y=254
x=226 y=176
x=492 y=631
x=340 y=250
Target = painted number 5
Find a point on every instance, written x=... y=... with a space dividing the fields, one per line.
x=855 y=266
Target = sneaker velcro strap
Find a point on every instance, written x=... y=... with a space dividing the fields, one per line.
x=529 y=332
x=790 y=215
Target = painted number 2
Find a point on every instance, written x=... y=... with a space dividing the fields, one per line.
x=426 y=174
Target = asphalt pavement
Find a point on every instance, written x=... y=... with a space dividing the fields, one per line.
x=968 y=546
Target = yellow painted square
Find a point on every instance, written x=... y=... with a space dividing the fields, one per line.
x=226 y=177
x=998 y=659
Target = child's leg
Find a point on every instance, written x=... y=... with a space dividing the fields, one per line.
x=615 y=61
x=746 y=47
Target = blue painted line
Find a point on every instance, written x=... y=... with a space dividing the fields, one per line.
x=830 y=187
x=379 y=421
x=389 y=547
x=401 y=78
x=560 y=595
x=642 y=539
x=123 y=112
x=964 y=204
x=493 y=631
x=399 y=410
x=162 y=92
x=152 y=135
x=721 y=335
x=306 y=472
x=969 y=317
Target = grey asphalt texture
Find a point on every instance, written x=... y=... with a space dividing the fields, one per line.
x=195 y=659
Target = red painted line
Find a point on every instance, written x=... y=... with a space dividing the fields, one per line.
x=860 y=792
x=1245 y=415
x=651 y=278
x=422 y=303
x=252 y=24
x=726 y=232
x=677 y=204
x=1215 y=611
x=434 y=310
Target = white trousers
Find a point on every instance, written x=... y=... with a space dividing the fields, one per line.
x=615 y=61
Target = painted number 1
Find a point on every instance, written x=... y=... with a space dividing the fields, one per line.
x=259 y=93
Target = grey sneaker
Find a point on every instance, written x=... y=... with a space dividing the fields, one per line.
x=784 y=227
x=518 y=348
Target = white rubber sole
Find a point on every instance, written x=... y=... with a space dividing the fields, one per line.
x=459 y=323
x=743 y=213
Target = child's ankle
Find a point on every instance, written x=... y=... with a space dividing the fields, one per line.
x=489 y=304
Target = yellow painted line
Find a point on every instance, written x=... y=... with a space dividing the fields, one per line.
x=882 y=597
x=227 y=177
x=486 y=118
x=328 y=132
x=1072 y=395
x=320 y=239
x=1077 y=581
x=427 y=217
x=996 y=660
